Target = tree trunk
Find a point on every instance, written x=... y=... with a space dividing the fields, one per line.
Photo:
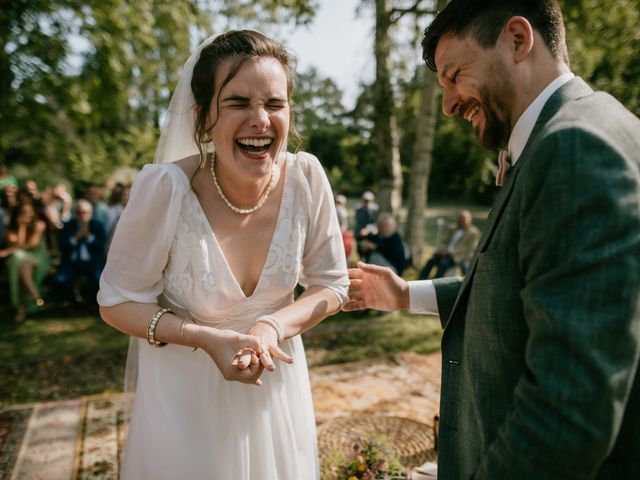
x=386 y=129
x=421 y=166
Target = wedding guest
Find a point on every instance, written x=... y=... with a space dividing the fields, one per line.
x=219 y=232
x=6 y=178
x=64 y=202
x=456 y=250
x=31 y=186
x=50 y=209
x=82 y=247
x=50 y=215
x=366 y=217
x=9 y=199
x=27 y=260
x=386 y=248
x=93 y=194
x=541 y=342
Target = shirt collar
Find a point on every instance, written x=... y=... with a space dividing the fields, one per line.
x=526 y=122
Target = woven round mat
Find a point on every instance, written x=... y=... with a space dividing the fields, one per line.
x=411 y=441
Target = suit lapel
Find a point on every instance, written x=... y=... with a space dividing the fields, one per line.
x=573 y=89
x=494 y=214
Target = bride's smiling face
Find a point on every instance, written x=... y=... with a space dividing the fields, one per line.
x=251 y=126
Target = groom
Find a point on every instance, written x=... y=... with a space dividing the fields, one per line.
x=541 y=340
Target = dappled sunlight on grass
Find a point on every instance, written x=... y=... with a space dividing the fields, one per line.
x=345 y=338
x=56 y=356
x=63 y=355
x=42 y=338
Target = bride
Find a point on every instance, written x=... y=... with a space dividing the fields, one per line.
x=206 y=256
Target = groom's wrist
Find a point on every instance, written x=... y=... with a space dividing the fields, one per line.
x=405 y=296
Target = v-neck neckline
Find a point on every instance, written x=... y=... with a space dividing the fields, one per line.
x=201 y=211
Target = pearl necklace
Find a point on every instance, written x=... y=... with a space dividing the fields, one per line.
x=241 y=211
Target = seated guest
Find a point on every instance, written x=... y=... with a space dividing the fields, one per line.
x=366 y=216
x=63 y=201
x=93 y=194
x=28 y=260
x=456 y=250
x=9 y=200
x=386 y=248
x=82 y=249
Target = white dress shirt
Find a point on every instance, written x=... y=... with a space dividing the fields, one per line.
x=422 y=293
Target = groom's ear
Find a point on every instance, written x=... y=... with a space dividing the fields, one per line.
x=519 y=37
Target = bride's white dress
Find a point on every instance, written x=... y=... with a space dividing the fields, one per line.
x=187 y=421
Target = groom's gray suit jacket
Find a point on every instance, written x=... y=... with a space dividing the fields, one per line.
x=542 y=338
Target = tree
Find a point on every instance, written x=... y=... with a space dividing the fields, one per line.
x=92 y=109
x=337 y=137
x=421 y=164
x=386 y=135
x=385 y=131
x=608 y=57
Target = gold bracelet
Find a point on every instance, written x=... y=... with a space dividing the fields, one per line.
x=151 y=327
x=182 y=329
x=184 y=321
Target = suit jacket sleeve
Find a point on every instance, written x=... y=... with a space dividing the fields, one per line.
x=581 y=304
x=447 y=290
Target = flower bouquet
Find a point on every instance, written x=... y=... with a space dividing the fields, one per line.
x=370 y=458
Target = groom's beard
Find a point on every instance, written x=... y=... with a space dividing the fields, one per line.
x=497 y=103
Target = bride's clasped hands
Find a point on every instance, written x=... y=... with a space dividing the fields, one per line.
x=266 y=330
x=222 y=345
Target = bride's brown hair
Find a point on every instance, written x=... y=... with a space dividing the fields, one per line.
x=238 y=46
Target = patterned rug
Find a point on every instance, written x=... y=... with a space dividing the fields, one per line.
x=75 y=439
x=13 y=426
x=83 y=438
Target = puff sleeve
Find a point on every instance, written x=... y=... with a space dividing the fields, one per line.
x=324 y=262
x=140 y=248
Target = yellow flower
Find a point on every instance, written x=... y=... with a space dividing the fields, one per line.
x=352 y=477
x=361 y=467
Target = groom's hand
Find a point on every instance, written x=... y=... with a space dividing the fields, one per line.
x=372 y=286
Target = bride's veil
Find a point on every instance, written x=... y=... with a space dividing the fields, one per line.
x=176 y=142
x=176 y=137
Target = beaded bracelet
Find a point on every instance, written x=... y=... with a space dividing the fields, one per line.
x=277 y=326
x=151 y=328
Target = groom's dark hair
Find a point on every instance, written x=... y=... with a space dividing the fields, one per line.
x=483 y=21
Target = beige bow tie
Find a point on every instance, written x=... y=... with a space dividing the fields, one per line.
x=504 y=165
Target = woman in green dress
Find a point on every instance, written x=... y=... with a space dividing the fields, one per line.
x=28 y=259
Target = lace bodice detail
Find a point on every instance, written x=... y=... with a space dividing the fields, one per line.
x=306 y=248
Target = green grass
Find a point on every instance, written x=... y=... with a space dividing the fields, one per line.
x=51 y=337
x=60 y=354
x=345 y=338
x=53 y=356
